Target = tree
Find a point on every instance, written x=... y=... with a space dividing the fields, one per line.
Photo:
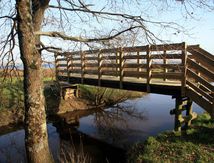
x=27 y=22
x=35 y=118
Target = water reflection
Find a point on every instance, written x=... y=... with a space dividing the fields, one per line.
x=113 y=124
x=132 y=121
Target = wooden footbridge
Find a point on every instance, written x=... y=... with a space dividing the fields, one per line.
x=184 y=71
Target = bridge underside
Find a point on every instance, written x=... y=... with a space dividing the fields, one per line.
x=174 y=90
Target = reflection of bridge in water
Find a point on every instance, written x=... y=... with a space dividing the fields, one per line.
x=185 y=72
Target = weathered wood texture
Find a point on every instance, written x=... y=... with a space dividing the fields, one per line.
x=189 y=68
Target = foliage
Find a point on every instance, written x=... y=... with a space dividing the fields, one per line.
x=195 y=145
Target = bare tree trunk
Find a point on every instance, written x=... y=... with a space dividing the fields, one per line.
x=36 y=138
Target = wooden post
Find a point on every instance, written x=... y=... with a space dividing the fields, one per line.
x=149 y=72
x=99 y=68
x=212 y=115
x=184 y=64
x=121 y=64
x=82 y=67
x=178 y=113
x=165 y=62
x=189 y=113
x=139 y=63
x=68 y=67
x=56 y=66
x=117 y=62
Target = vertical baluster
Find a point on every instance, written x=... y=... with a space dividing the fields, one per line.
x=99 y=68
x=121 y=65
x=68 y=66
x=184 y=61
x=117 y=63
x=165 y=62
x=149 y=71
x=139 y=64
x=82 y=66
x=56 y=66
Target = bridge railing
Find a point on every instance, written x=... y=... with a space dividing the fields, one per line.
x=200 y=77
x=150 y=64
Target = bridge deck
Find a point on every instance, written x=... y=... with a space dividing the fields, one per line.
x=174 y=69
x=133 y=84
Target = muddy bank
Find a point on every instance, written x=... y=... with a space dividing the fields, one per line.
x=11 y=116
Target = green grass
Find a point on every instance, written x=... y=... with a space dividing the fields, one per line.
x=11 y=92
x=195 y=145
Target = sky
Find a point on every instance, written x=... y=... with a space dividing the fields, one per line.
x=199 y=23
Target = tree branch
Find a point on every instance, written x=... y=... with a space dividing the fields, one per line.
x=81 y=39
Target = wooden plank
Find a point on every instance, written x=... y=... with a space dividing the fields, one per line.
x=89 y=58
x=61 y=59
x=162 y=47
x=134 y=65
x=200 y=50
x=110 y=73
x=111 y=65
x=135 y=74
x=134 y=49
x=154 y=56
x=94 y=72
x=191 y=74
x=91 y=64
x=135 y=57
x=168 y=56
x=167 y=66
x=199 y=57
x=162 y=75
x=61 y=65
x=62 y=71
x=77 y=64
x=76 y=59
x=128 y=49
x=199 y=100
x=109 y=57
x=192 y=64
x=76 y=71
x=200 y=91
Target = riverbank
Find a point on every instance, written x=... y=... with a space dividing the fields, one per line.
x=194 y=145
x=12 y=99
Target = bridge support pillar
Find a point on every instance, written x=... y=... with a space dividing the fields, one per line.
x=69 y=91
x=183 y=104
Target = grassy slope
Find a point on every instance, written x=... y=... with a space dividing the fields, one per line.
x=196 y=145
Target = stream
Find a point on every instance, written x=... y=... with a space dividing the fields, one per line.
x=102 y=136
